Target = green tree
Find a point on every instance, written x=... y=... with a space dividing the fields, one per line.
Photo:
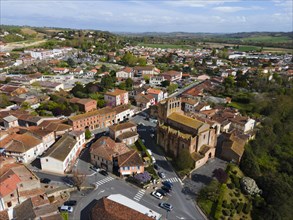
x=171 y=89
x=184 y=160
x=129 y=83
x=88 y=134
x=70 y=62
x=165 y=83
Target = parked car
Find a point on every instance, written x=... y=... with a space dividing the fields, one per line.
x=103 y=172
x=94 y=168
x=143 y=141
x=152 y=135
x=150 y=152
x=168 y=184
x=157 y=195
x=70 y=203
x=162 y=175
x=166 y=189
x=162 y=192
x=66 y=208
x=156 y=167
x=153 y=159
x=45 y=180
x=166 y=206
x=68 y=181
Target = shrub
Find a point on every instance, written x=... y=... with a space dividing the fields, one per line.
x=224 y=204
x=234 y=172
x=231 y=185
x=246 y=208
x=221 y=175
x=226 y=212
x=239 y=207
x=143 y=177
x=234 y=201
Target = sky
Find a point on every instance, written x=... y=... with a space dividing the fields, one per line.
x=209 y=16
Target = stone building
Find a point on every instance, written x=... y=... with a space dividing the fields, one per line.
x=176 y=132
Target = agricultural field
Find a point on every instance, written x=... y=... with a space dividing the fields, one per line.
x=166 y=46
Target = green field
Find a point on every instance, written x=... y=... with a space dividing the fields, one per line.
x=166 y=46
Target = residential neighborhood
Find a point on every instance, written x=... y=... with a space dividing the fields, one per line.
x=116 y=131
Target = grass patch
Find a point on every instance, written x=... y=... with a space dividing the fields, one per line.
x=64 y=215
x=241 y=106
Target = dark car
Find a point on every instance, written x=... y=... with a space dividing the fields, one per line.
x=70 y=203
x=103 y=172
x=45 y=180
x=156 y=166
x=166 y=189
x=164 y=193
x=168 y=184
x=162 y=175
x=68 y=181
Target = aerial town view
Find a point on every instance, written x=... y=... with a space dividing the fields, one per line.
x=146 y=110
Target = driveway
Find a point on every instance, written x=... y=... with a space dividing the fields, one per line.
x=202 y=177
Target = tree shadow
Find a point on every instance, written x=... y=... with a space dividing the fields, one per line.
x=199 y=178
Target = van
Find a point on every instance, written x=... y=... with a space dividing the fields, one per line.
x=150 y=152
x=66 y=208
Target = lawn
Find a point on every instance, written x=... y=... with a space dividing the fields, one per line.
x=225 y=201
x=240 y=106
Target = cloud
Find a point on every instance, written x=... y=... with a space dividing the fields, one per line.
x=229 y=9
x=198 y=3
x=141 y=16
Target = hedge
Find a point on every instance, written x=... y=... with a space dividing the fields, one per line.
x=142 y=147
x=220 y=202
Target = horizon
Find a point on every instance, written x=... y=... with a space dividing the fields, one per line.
x=193 y=16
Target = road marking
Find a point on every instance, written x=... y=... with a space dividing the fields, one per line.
x=101 y=182
x=172 y=180
x=139 y=195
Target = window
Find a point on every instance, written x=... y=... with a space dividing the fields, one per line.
x=138 y=167
x=204 y=137
x=12 y=195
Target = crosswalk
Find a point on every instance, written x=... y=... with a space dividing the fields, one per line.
x=139 y=195
x=172 y=180
x=101 y=182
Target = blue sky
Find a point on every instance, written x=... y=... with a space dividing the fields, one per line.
x=215 y=16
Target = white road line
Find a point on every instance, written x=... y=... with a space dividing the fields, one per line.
x=139 y=195
x=172 y=180
x=107 y=179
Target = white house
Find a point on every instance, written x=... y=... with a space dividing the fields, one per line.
x=243 y=124
x=126 y=72
x=123 y=112
x=156 y=93
x=61 y=156
x=156 y=80
x=23 y=147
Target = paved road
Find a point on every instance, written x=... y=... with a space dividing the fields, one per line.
x=185 y=207
x=180 y=91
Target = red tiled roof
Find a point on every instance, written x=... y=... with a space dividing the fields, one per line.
x=8 y=183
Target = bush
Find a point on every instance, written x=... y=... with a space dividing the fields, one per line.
x=225 y=204
x=234 y=172
x=246 y=208
x=221 y=175
x=239 y=207
x=143 y=177
x=231 y=185
x=226 y=212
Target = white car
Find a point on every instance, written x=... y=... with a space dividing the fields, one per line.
x=143 y=141
x=153 y=159
x=157 y=195
x=66 y=208
x=150 y=152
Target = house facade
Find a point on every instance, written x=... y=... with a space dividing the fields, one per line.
x=84 y=105
x=62 y=155
x=130 y=163
x=125 y=73
x=123 y=112
x=172 y=75
x=117 y=97
x=100 y=118
x=144 y=101
x=104 y=153
x=124 y=132
x=156 y=93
